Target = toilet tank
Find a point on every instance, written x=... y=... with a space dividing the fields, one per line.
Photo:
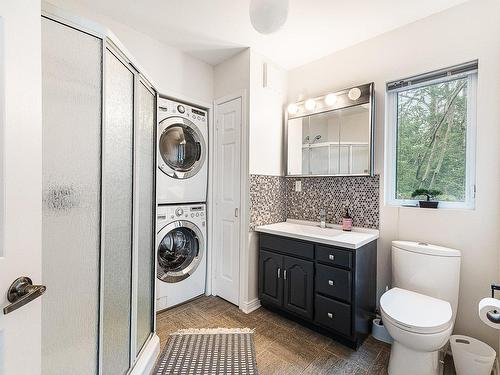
x=427 y=269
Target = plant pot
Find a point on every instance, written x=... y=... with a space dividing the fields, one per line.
x=428 y=204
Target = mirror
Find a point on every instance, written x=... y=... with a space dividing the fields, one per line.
x=332 y=140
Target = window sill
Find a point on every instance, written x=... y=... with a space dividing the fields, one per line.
x=439 y=208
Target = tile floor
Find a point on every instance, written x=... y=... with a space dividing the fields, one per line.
x=282 y=346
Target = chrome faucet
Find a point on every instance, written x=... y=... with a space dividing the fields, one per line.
x=322 y=218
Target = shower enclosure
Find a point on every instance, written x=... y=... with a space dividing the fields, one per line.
x=98 y=228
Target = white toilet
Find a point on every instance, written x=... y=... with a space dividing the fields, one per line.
x=420 y=310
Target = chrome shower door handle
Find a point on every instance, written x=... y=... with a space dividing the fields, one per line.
x=21 y=292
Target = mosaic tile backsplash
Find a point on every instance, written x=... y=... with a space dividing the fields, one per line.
x=360 y=194
x=267 y=200
x=273 y=199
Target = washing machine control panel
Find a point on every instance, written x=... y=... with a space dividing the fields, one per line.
x=168 y=108
x=196 y=212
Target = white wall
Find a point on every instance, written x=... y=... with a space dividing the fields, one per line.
x=266 y=116
x=233 y=75
x=264 y=136
x=466 y=32
x=173 y=72
x=265 y=140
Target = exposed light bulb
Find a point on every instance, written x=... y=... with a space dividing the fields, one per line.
x=354 y=93
x=267 y=16
x=310 y=104
x=331 y=99
x=293 y=108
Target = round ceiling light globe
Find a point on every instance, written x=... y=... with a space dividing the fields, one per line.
x=267 y=16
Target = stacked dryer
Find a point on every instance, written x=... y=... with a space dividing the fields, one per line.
x=182 y=180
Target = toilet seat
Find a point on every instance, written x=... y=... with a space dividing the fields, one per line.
x=416 y=312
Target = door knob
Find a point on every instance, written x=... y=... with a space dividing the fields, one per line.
x=21 y=292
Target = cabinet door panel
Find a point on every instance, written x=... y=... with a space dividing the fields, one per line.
x=333 y=282
x=334 y=256
x=288 y=246
x=270 y=277
x=298 y=277
x=333 y=314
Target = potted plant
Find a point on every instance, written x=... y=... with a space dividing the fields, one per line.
x=430 y=194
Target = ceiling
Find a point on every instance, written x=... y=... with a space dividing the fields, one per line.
x=213 y=30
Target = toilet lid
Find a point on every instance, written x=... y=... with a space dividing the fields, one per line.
x=416 y=312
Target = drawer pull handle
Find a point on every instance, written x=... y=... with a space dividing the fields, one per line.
x=331 y=257
x=330 y=315
x=284 y=274
x=279 y=272
x=331 y=282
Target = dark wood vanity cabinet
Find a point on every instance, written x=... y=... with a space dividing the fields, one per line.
x=287 y=282
x=329 y=288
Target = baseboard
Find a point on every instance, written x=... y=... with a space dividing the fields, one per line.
x=248 y=307
x=147 y=358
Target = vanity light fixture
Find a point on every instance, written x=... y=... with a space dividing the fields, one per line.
x=354 y=93
x=310 y=104
x=293 y=108
x=331 y=99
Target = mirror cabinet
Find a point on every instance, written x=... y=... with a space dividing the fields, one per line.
x=332 y=135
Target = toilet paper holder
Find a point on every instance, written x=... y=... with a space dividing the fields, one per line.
x=494 y=315
x=493 y=288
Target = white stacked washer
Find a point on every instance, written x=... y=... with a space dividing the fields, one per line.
x=181 y=254
x=182 y=153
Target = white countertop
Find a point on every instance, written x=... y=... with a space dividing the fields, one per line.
x=331 y=235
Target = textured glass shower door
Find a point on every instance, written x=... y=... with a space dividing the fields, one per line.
x=116 y=234
x=71 y=92
x=99 y=164
x=145 y=156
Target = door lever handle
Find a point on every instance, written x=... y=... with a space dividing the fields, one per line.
x=21 y=292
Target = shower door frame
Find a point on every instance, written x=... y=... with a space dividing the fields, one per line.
x=143 y=361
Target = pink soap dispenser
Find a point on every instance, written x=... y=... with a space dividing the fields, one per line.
x=347 y=221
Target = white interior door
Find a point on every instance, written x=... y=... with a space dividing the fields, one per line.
x=227 y=199
x=20 y=182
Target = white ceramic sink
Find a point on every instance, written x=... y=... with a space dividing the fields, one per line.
x=311 y=231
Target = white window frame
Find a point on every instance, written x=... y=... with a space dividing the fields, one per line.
x=391 y=121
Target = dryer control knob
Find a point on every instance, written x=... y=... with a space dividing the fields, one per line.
x=179 y=211
x=181 y=108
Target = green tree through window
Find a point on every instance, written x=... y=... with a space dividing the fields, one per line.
x=431 y=140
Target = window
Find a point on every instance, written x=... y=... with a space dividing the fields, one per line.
x=431 y=124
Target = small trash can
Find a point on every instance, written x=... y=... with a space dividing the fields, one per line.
x=380 y=332
x=471 y=356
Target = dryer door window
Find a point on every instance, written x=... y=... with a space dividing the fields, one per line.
x=181 y=148
x=180 y=251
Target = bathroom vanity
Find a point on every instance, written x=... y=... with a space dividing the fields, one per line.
x=323 y=277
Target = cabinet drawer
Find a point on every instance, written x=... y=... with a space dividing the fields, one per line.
x=334 y=282
x=287 y=246
x=333 y=314
x=334 y=256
